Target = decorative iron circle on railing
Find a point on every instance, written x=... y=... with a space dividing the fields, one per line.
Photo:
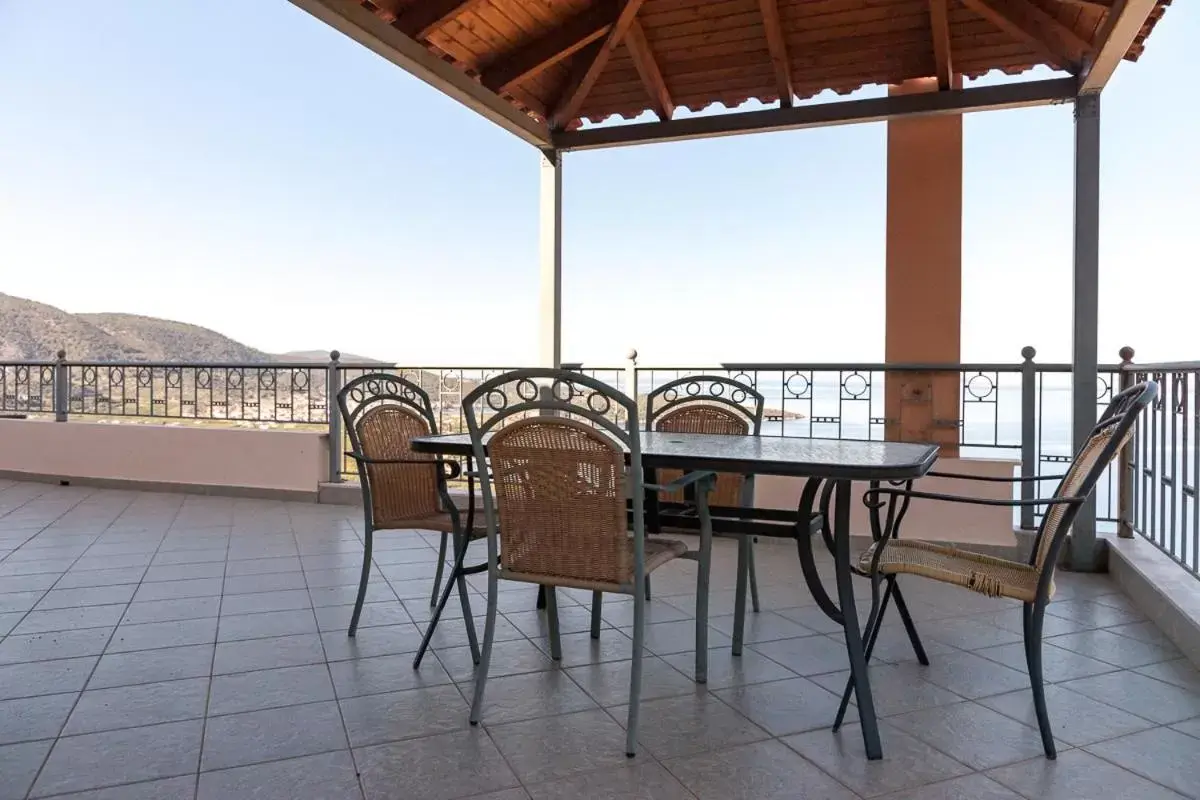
x=47 y=374
x=450 y=382
x=855 y=385
x=1158 y=401
x=174 y=378
x=116 y=376
x=745 y=378
x=1104 y=389
x=145 y=377
x=89 y=374
x=203 y=378
x=22 y=374
x=1180 y=389
x=980 y=386
x=266 y=378
x=234 y=379
x=797 y=385
x=527 y=390
x=300 y=379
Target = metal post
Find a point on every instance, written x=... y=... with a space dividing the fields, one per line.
x=1085 y=306
x=1127 y=471
x=550 y=249
x=62 y=387
x=333 y=385
x=631 y=387
x=1029 y=449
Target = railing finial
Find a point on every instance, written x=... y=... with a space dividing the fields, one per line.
x=334 y=355
x=1028 y=352
x=632 y=355
x=1126 y=354
x=61 y=355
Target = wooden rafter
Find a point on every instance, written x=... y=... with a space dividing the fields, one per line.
x=424 y=17
x=1096 y=4
x=1021 y=19
x=777 y=47
x=939 y=28
x=590 y=63
x=352 y=19
x=647 y=69
x=1118 y=34
x=560 y=43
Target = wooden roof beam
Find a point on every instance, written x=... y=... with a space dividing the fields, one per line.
x=426 y=16
x=590 y=63
x=777 y=47
x=361 y=25
x=875 y=109
x=1120 y=29
x=939 y=29
x=571 y=37
x=1025 y=22
x=647 y=69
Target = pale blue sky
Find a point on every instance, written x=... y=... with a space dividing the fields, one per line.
x=239 y=165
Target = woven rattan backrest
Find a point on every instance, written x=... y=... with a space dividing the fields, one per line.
x=701 y=417
x=382 y=414
x=1115 y=428
x=559 y=488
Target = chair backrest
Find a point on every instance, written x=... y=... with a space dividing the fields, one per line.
x=382 y=413
x=1108 y=437
x=555 y=492
x=708 y=404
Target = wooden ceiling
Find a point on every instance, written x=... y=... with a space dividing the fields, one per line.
x=565 y=61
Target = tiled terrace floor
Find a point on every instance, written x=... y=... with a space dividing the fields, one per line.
x=161 y=646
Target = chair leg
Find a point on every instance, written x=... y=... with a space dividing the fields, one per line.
x=872 y=633
x=541 y=598
x=753 y=577
x=437 y=576
x=489 y=632
x=648 y=596
x=739 y=597
x=704 y=562
x=909 y=625
x=362 y=582
x=464 y=596
x=456 y=577
x=635 y=673
x=1032 y=619
x=552 y=619
x=597 y=608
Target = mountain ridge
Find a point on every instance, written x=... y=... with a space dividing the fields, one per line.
x=35 y=331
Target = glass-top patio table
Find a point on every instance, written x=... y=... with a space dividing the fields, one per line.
x=836 y=463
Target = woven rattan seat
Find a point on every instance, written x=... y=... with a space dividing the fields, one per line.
x=994 y=577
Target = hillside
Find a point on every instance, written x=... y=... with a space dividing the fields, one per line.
x=30 y=330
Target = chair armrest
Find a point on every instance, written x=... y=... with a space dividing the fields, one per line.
x=991 y=479
x=451 y=468
x=681 y=482
x=871 y=497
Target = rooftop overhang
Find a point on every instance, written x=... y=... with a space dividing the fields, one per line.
x=544 y=70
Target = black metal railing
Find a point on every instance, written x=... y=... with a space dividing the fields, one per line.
x=1018 y=411
x=1162 y=463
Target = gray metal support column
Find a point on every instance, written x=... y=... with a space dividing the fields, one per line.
x=1029 y=443
x=333 y=386
x=550 y=251
x=1085 y=307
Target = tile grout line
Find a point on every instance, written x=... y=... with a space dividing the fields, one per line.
x=67 y=719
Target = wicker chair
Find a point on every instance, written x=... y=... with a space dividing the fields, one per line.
x=555 y=497
x=402 y=489
x=718 y=405
x=1030 y=582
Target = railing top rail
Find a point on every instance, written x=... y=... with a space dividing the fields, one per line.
x=1012 y=366
x=1163 y=366
x=204 y=364
x=27 y=363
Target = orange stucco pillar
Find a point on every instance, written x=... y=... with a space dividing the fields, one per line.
x=924 y=273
